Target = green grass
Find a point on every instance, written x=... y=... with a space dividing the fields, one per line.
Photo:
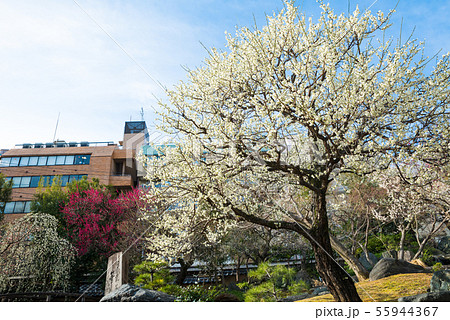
x=386 y=289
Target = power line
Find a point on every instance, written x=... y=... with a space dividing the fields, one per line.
x=123 y=50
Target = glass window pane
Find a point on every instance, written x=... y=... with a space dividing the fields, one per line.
x=73 y=177
x=60 y=160
x=20 y=206
x=82 y=159
x=51 y=160
x=27 y=208
x=5 y=162
x=16 y=182
x=24 y=161
x=34 y=183
x=14 y=162
x=69 y=159
x=50 y=180
x=64 y=180
x=57 y=179
x=9 y=208
x=45 y=181
x=25 y=183
x=42 y=161
x=33 y=161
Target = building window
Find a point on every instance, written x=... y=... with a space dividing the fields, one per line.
x=9 y=207
x=27 y=206
x=33 y=161
x=18 y=207
x=24 y=161
x=25 y=182
x=69 y=160
x=16 y=182
x=33 y=182
x=51 y=161
x=47 y=181
x=64 y=180
x=14 y=162
x=60 y=160
x=82 y=159
x=5 y=162
x=45 y=160
x=42 y=161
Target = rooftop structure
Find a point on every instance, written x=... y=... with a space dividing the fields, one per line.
x=113 y=164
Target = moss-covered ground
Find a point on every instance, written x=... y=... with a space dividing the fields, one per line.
x=386 y=289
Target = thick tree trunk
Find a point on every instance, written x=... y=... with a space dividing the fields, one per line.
x=350 y=258
x=401 y=247
x=184 y=266
x=419 y=252
x=238 y=266
x=339 y=283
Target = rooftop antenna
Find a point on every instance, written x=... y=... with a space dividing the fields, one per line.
x=142 y=114
x=57 y=122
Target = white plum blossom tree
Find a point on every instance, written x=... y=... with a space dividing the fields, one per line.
x=33 y=257
x=291 y=106
x=418 y=199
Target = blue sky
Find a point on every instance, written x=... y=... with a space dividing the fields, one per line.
x=55 y=59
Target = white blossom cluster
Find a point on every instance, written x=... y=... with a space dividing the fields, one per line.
x=291 y=105
x=33 y=257
x=415 y=191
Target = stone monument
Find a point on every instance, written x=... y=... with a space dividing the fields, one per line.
x=117 y=272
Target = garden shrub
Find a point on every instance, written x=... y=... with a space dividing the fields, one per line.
x=437 y=267
x=427 y=257
x=198 y=293
x=271 y=283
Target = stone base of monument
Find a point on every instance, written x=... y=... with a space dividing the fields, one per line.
x=130 y=293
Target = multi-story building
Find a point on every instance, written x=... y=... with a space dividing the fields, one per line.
x=113 y=164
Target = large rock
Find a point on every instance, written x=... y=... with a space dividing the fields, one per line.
x=442 y=258
x=388 y=267
x=443 y=296
x=296 y=297
x=407 y=255
x=368 y=263
x=440 y=281
x=389 y=254
x=130 y=293
x=319 y=291
x=444 y=244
